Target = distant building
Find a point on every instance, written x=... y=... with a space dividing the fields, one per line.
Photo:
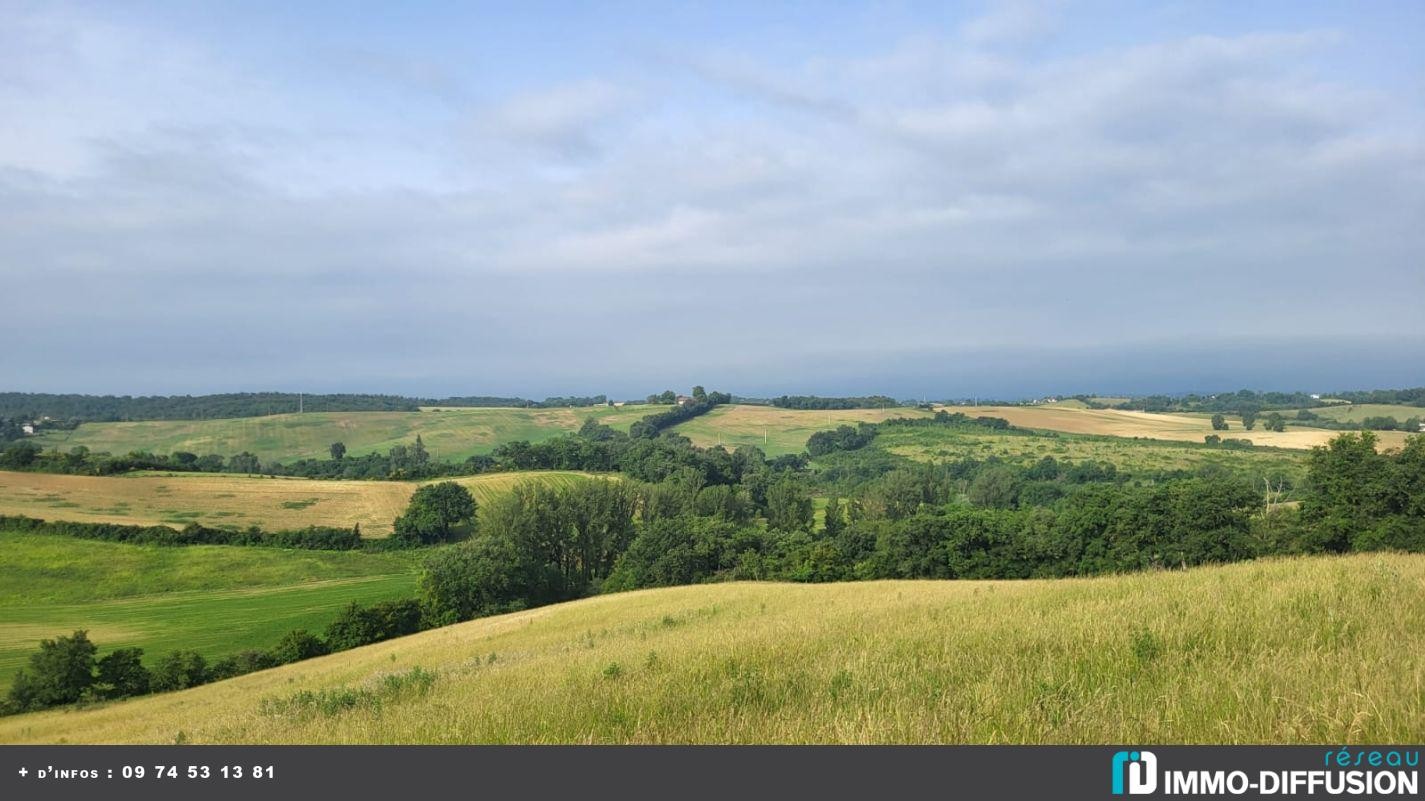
x=618 y=403
x=1315 y=396
x=684 y=400
x=28 y=428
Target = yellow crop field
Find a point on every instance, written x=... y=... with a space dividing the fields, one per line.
x=777 y=431
x=1153 y=425
x=1305 y=650
x=177 y=499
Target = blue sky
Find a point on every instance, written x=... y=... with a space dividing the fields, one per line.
x=927 y=199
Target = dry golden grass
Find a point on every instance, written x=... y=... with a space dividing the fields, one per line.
x=776 y=431
x=1152 y=425
x=231 y=500
x=1325 y=649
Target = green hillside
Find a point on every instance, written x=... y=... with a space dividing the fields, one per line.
x=1309 y=650
x=449 y=434
x=215 y=599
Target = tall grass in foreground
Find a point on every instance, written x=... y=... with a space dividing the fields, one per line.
x=1326 y=650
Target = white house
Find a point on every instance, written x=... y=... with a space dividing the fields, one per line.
x=28 y=428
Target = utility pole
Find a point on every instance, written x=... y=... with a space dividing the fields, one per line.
x=299 y=403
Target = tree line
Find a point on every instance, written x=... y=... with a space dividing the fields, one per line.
x=816 y=402
x=68 y=670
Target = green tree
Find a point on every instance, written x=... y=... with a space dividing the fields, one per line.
x=789 y=506
x=1219 y=423
x=1275 y=422
x=122 y=674
x=297 y=645
x=434 y=512
x=484 y=576
x=338 y=451
x=58 y=674
x=1249 y=419
x=700 y=394
x=179 y=670
x=835 y=517
x=995 y=487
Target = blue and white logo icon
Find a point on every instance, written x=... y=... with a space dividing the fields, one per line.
x=1141 y=769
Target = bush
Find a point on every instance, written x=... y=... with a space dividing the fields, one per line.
x=297 y=645
x=485 y=576
x=179 y=670
x=241 y=663
x=122 y=674
x=359 y=625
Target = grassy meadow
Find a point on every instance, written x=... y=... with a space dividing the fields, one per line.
x=232 y=500
x=1307 y=650
x=1134 y=456
x=215 y=599
x=1356 y=412
x=452 y=434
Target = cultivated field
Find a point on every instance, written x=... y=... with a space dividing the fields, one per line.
x=1152 y=425
x=1133 y=456
x=449 y=434
x=219 y=500
x=1318 y=650
x=1356 y=412
x=215 y=599
x=776 y=431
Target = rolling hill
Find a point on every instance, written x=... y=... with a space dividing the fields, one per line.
x=450 y=434
x=1307 y=650
x=215 y=599
x=1154 y=425
x=217 y=500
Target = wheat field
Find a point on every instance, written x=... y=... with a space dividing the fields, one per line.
x=217 y=500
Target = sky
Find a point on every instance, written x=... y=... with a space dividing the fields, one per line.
x=936 y=200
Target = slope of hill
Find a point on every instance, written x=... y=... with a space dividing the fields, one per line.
x=177 y=499
x=1154 y=425
x=215 y=599
x=1316 y=650
x=451 y=434
x=777 y=431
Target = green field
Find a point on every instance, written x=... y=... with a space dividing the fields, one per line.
x=449 y=434
x=1132 y=456
x=1309 y=650
x=1356 y=412
x=215 y=599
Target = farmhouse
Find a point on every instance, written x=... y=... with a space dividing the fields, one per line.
x=29 y=429
x=684 y=400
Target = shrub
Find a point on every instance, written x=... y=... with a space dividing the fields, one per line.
x=122 y=674
x=297 y=645
x=179 y=670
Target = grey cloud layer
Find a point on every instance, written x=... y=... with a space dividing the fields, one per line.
x=929 y=207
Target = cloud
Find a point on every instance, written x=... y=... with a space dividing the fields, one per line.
x=960 y=188
x=562 y=121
